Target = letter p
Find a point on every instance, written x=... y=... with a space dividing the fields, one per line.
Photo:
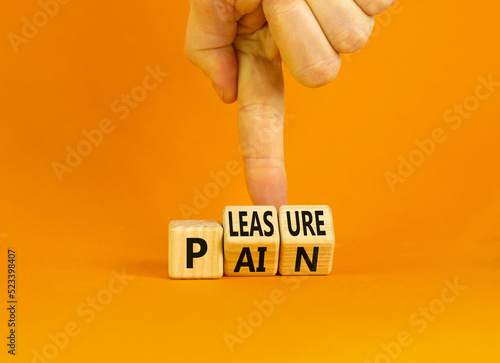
x=190 y=254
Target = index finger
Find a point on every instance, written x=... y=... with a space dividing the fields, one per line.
x=260 y=118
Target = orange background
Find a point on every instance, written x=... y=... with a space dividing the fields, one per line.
x=394 y=248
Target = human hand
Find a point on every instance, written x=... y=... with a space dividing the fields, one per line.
x=239 y=45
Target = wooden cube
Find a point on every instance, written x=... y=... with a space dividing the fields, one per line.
x=307 y=240
x=251 y=240
x=195 y=250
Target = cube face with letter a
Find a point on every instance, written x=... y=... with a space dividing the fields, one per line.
x=195 y=250
x=251 y=240
x=307 y=240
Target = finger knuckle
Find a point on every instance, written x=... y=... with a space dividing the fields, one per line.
x=319 y=73
x=374 y=7
x=263 y=111
x=352 y=38
x=282 y=11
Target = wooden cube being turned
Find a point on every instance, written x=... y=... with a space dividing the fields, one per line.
x=251 y=240
x=195 y=250
x=307 y=240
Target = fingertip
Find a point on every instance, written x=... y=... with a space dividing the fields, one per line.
x=319 y=74
x=226 y=89
x=266 y=185
x=228 y=95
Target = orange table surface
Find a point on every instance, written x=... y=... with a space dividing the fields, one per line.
x=416 y=271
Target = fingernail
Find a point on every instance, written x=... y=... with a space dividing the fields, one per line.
x=219 y=90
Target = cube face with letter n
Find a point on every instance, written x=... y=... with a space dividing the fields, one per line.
x=307 y=240
x=195 y=250
x=251 y=240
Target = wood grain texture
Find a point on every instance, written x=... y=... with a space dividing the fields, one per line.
x=208 y=266
x=251 y=240
x=306 y=231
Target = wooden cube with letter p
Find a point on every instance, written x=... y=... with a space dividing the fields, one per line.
x=195 y=250
x=307 y=240
x=251 y=240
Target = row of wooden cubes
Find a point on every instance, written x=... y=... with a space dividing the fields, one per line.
x=253 y=241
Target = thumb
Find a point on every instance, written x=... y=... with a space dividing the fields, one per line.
x=260 y=118
x=211 y=30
